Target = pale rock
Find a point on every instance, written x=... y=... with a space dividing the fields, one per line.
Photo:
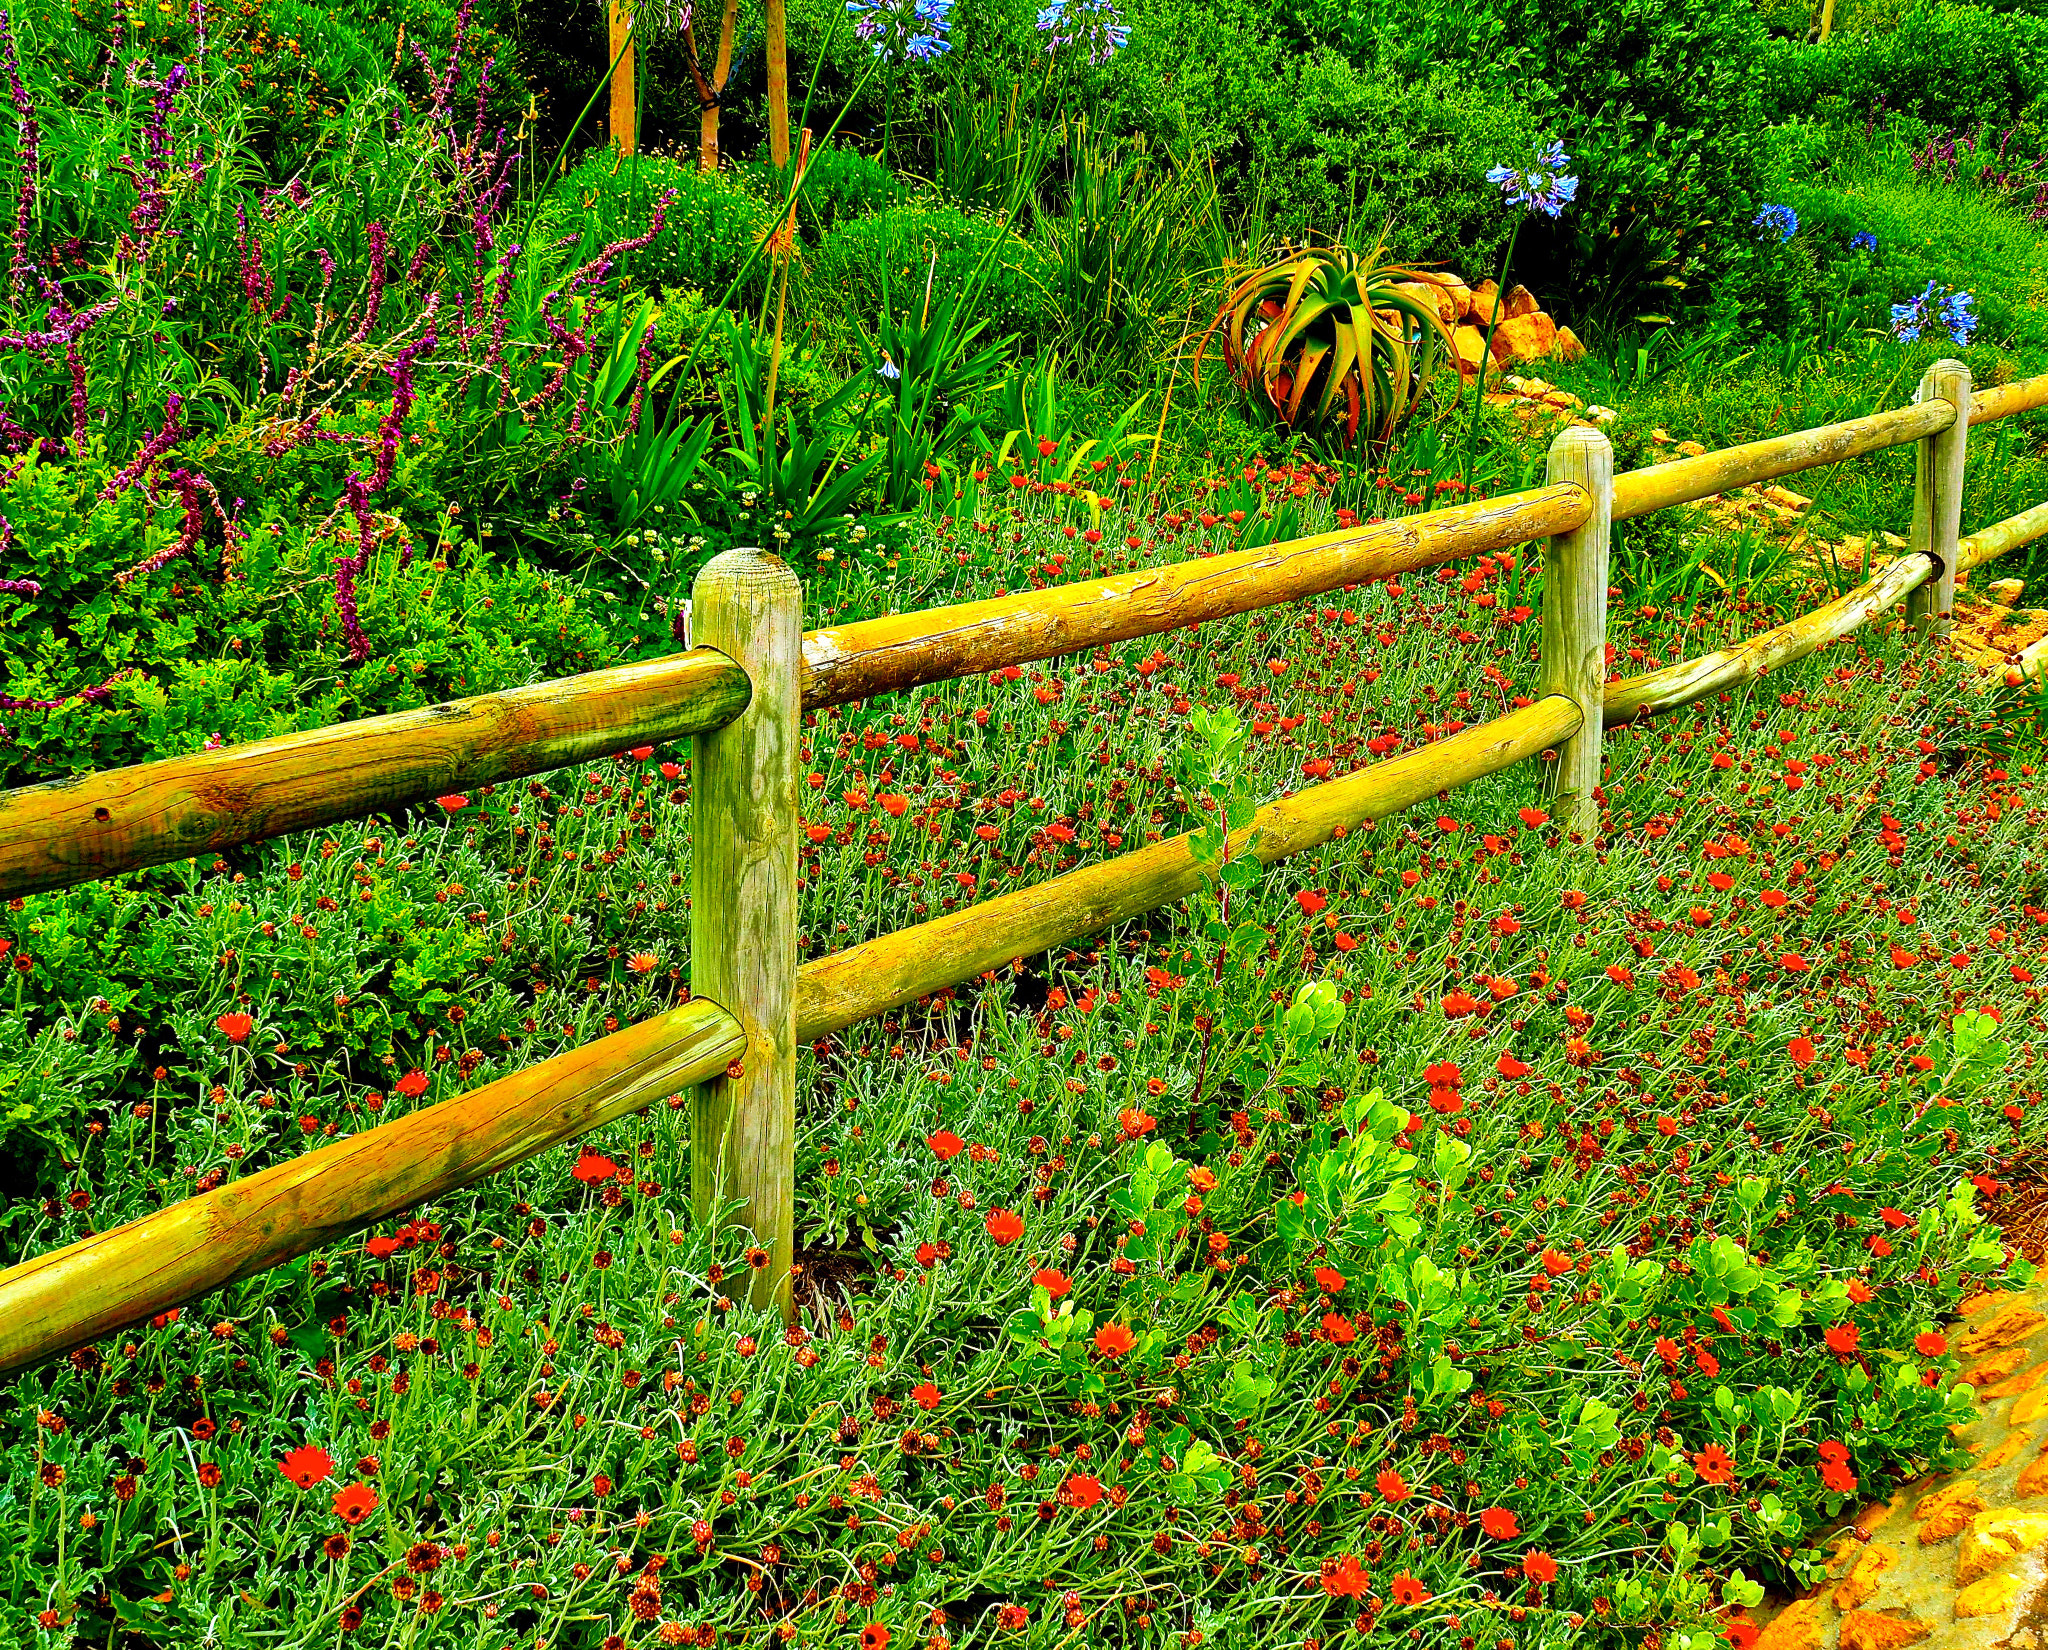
x=1524 y=338
x=1995 y=1537
x=1568 y=346
x=1796 y=1627
x=2011 y=1325
x=1990 y=1597
x=1854 y=1590
x=1520 y=301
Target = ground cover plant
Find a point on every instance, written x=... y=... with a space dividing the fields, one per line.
x=1458 y=1235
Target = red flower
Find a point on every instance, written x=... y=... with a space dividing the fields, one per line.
x=1081 y=1491
x=1340 y=1329
x=925 y=1395
x=1310 y=902
x=1556 y=1265
x=1535 y=818
x=412 y=1085
x=1499 y=1522
x=1802 y=1051
x=1347 y=1580
x=1508 y=1066
x=1329 y=1280
x=594 y=1170
x=1714 y=1465
x=1741 y=1633
x=1408 y=1592
x=1458 y=1004
x=640 y=753
x=235 y=1027
x=874 y=1636
x=1834 y=1468
x=355 y=1503
x=1793 y=963
x=945 y=1145
x=1113 y=1340
x=451 y=803
x=1842 y=1339
x=1006 y=1228
x=1053 y=1283
x=307 y=1465
x=1392 y=1486
x=1932 y=1344
x=1539 y=1566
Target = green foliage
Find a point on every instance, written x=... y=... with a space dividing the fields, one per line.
x=1960 y=65
x=711 y=231
x=1357 y=150
x=840 y=183
x=901 y=258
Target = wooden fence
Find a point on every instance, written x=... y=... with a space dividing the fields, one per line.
x=740 y=694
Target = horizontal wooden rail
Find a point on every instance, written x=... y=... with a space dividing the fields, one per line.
x=2003 y=400
x=121 y=1277
x=899 y=968
x=76 y=830
x=1989 y=543
x=903 y=650
x=1640 y=492
x=1691 y=679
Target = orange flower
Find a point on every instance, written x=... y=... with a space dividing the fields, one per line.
x=1408 y=1592
x=412 y=1085
x=1499 y=1522
x=593 y=1169
x=307 y=1465
x=1004 y=1226
x=925 y=1395
x=451 y=803
x=1539 y=1566
x=235 y=1027
x=945 y=1145
x=1113 y=1340
x=644 y=962
x=1802 y=1051
x=1930 y=1345
x=1054 y=1283
x=1842 y=1339
x=1330 y=1280
x=1392 y=1486
x=1347 y=1580
x=1081 y=1491
x=1535 y=818
x=1714 y=1465
x=355 y=1503
x=874 y=1636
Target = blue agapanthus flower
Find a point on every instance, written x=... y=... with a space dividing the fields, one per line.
x=900 y=30
x=1952 y=314
x=1542 y=185
x=1094 y=25
x=1863 y=241
x=1780 y=221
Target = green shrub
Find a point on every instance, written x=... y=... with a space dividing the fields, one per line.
x=840 y=184
x=1959 y=66
x=1366 y=150
x=898 y=251
x=709 y=234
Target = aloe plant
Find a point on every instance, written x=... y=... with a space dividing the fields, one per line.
x=1322 y=342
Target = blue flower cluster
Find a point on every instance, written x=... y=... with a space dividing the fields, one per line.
x=916 y=30
x=1863 y=241
x=1541 y=186
x=1780 y=221
x=1952 y=314
x=1095 y=25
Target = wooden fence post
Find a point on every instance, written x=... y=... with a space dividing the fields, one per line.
x=749 y=605
x=1575 y=623
x=1938 y=497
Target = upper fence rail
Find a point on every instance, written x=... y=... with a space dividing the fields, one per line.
x=65 y=832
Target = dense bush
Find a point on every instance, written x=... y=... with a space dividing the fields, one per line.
x=892 y=256
x=840 y=183
x=714 y=223
x=1958 y=65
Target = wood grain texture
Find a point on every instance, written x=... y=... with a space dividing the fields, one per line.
x=1639 y=492
x=899 y=968
x=1691 y=679
x=1574 y=645
x=1938 y=496
x=873 y=656
x=2003 y=400
x=1989 y=543
x=624 y=111
x=76 y=830
x=123 y=1276
x=743 y=908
